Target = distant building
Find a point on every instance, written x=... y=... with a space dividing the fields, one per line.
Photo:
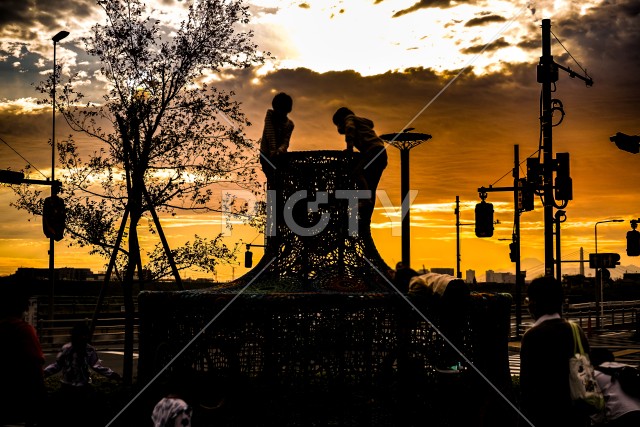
x=69 y=273
x=493 y=277
x=448 y=271
x=470 y=277
x=64 y=273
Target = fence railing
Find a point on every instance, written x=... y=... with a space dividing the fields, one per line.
x=109 y=331
x=68 y=310
x=616 y=315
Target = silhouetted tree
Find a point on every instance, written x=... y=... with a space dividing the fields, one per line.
x=165 y=137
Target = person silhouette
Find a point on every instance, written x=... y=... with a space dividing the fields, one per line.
x=171 y=411
x=22 y=391
x=359 y=133
x=276 y=134
x=621 y=409
x=544 y=359
x=77 y=400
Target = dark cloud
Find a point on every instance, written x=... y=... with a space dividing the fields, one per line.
x=427 y=4
x=304 y=6
x=606 y=40
x=483 y=20
x=23 y=16
x=529 y=44
x=495 y=45
x=631 y=8
x=28 y=134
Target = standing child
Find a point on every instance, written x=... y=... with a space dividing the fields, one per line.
x=276 y=134
x=74 y=360
x=359 y=133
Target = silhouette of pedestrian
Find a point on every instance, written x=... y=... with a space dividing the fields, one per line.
x=22 y=392
x=544 y=359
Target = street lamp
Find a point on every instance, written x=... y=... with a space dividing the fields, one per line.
x=600 y=293
x=54 y=189
x=405 y=141
x=61 y=35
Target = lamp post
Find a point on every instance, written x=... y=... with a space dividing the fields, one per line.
x=54 y=189
x=599 y=290
x=405 y=141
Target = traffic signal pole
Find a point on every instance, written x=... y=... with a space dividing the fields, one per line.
x=518 y=206
x=547 y=76
x=516 y=237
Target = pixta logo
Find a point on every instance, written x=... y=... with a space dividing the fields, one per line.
x=356 y=200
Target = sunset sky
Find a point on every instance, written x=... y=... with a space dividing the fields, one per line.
x=462 y=71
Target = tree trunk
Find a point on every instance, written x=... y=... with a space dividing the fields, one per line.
x=127 y=291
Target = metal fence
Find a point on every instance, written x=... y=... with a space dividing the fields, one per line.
x=615 y=315
x=68 y=310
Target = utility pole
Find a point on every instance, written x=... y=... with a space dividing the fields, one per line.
x=547 y=76
x=548 y=73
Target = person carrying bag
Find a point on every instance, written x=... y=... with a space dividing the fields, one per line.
x=585 y=391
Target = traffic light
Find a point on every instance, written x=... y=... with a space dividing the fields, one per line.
x=633 y=240
x=604 y=260
x=563 y=184
x=534 y=172
x=525 y=195
x=630 y=143
x=248 y=258
x=484 y=219
x=513 y=252
x=11 y=177
x=54 y=216
x=610 y=260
